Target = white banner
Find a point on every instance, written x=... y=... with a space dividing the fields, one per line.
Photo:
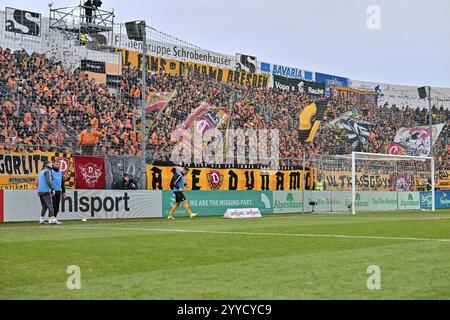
x=175 y=51
x=415 y=141
x=24 y=205
x=242 y=213
x=403 y=96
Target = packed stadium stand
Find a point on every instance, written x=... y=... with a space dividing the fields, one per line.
x=47 y=107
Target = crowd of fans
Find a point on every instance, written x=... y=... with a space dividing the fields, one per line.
x=46 y=107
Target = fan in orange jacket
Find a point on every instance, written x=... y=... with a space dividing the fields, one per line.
x=88 y=137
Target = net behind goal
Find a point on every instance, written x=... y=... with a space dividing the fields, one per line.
x=383 y=182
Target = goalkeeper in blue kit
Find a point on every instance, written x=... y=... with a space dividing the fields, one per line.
x=177 y=185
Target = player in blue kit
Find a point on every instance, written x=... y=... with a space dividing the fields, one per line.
x=177 y=185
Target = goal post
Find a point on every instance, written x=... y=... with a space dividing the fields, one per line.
x=391 y=182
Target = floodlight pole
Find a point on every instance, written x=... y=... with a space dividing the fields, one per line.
x=143 y=93
x=431 y=150
x=431 y=123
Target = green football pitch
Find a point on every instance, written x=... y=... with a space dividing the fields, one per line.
x=295 y=256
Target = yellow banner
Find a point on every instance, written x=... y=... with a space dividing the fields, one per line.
x=20 y=170
x=196 y=70
x=342 y=180
x=443 y=180
x=158 y=178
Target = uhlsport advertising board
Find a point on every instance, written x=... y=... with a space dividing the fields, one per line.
x=85 y=204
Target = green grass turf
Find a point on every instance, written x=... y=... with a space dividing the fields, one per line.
x=213 y=258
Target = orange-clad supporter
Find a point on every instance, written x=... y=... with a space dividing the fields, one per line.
x=155 y=138
x=52 y=112
x=137 y=93
x=139 y=137
x=94 y=123
x=44 y=126
x=9 y=106
x=87 y=139
x=120 y=124
x=133 y=136
x=115 y=139
x=110 y=120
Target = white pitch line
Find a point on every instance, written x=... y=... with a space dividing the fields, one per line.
x=327 y=216
x=318 y=235
x=295 y=216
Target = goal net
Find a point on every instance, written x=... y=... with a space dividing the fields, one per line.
x=384 y=182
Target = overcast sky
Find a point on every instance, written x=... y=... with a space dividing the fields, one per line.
x=412 y=46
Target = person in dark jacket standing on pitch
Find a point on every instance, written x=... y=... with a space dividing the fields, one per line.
x=58 y=183
x=45 y=192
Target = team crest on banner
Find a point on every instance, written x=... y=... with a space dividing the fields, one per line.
x=90 y=172
x=67 y=168
x=215 y=179
x=414 y=141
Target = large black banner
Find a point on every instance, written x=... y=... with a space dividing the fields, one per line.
x=117 y=166
x=23 y=22
x=298 y=85
x=246 y=63
x=352 y=129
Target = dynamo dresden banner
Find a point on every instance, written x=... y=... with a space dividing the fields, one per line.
x=195 y=70
x=201 y=119
x=158 y=178
x=90 y=172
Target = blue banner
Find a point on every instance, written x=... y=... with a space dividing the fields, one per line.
x=309 y=76
x=265 y=67
x=441 y=200
x=329 y=79
x=287 y=72
x=425 y=200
